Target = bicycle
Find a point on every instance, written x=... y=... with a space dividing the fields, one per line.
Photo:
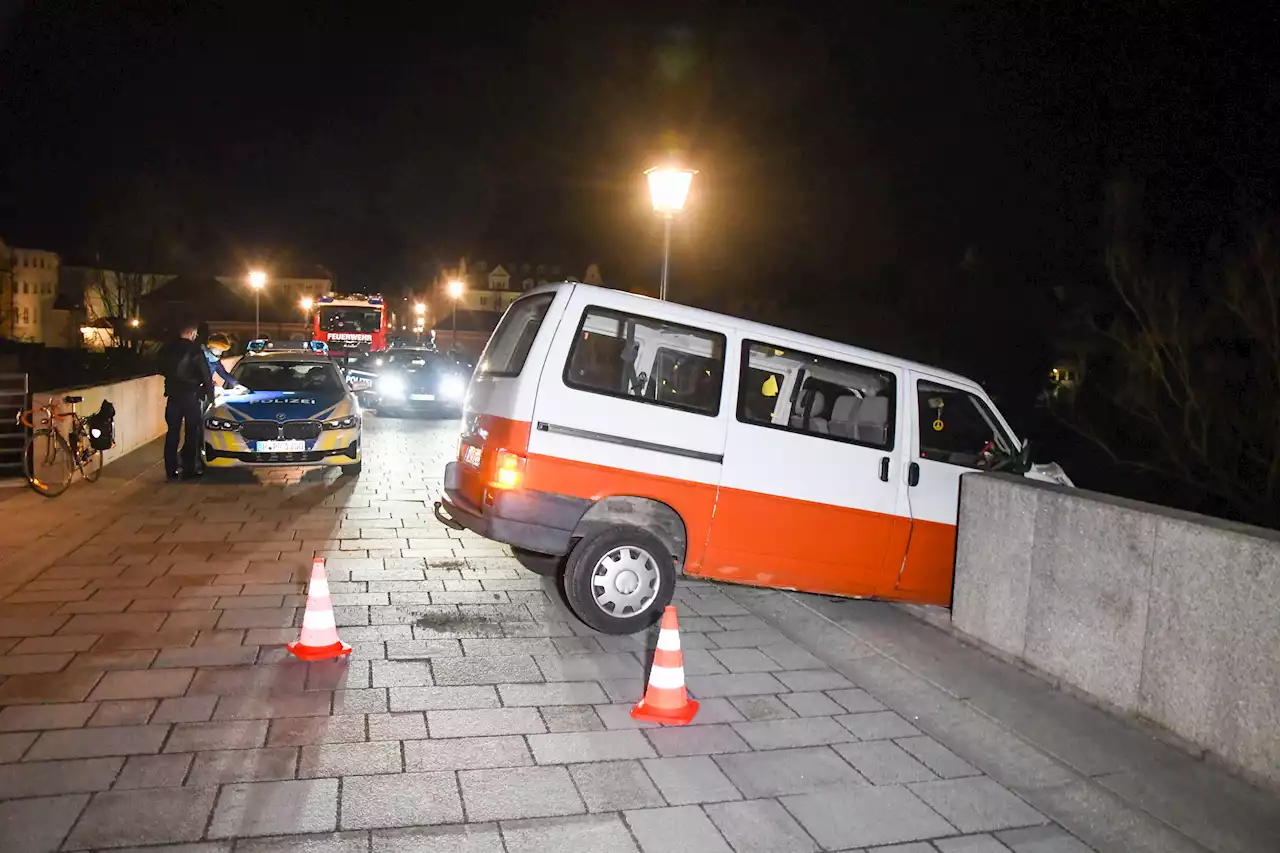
x=50 y=459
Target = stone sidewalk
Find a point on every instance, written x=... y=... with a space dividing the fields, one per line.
x=147 y=699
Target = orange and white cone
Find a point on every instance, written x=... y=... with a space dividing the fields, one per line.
x=666 y=700
x=319 y=639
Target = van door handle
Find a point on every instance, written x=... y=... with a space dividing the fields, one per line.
x=884 y=469
x=913 y=474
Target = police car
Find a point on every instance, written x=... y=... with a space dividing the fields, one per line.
x=290 y=406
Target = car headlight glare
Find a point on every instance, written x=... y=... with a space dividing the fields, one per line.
x=453 y=387
x=349 y=422
x=221 y=424
x=391 y=386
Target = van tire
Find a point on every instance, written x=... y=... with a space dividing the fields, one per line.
x=586 y=557
x=547 y=565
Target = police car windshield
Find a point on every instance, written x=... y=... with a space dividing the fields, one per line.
x=306 y=376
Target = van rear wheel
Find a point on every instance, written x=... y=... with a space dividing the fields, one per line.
x=619 y=580
x=547 y=565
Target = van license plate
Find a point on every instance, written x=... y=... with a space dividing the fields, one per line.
x=472 y=456
x=287 y=446
x=424 y=397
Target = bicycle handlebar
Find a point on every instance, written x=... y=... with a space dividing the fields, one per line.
x=49 y=409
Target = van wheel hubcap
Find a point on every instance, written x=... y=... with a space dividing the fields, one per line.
x=625 y=581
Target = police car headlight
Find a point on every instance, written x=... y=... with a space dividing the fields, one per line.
x=452 y=387
x=391 y=386
x=221 y=425
x=349 y=422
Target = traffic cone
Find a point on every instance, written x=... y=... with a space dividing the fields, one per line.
x=666 y=701
x=319 y=639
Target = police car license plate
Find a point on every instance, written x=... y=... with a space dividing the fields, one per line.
x=472 y=456
x=285 y=446
x=425 y=397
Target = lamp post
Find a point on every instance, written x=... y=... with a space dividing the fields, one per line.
x=668 y=190
x=420 y=319
x=307 y=303
x=455 y=293
x=257 y=280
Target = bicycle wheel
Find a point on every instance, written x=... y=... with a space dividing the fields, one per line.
x=48 y=463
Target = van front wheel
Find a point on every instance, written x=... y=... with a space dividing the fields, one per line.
x=619 y=580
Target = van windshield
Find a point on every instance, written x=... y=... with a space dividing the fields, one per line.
x=507 y=350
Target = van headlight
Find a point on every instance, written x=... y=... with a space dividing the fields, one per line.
x=349 y=422
x=221 y=424
x=391 y=386
x=452 y=387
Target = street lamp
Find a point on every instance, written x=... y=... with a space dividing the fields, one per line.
x=257 y=280
x=307 y=303
x=668 y=190
x=455 y=293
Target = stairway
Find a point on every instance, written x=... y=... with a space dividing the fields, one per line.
x=13 y=399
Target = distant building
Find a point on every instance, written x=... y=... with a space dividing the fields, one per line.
x=284 y=290
x=28 y=289
x=6 y=292
x=228 y=305
x=492 y=287
x=104 y=302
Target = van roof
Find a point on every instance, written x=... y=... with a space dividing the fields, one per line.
x=763 y=331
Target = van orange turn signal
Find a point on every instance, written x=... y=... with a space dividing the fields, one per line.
x=508 y=470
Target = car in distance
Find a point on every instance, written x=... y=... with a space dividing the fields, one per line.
x=417 y=379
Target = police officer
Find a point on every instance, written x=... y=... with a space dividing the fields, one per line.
x=187 y=381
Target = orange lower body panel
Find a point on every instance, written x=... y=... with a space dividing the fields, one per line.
x=692 y=501
x=928 y=574
x=764 y=540
x=757 y=539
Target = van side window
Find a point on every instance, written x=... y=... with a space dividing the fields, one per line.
x=648 y=360
x=507 y=350
x=794 y=391
x=957 y=427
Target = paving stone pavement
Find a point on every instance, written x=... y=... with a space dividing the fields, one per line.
x=147 y=702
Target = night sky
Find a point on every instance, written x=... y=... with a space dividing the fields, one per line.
x=848 y=153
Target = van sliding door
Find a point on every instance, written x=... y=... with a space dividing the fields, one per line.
x=811 y=473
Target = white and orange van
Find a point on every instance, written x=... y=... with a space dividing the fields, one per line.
x=618 y=439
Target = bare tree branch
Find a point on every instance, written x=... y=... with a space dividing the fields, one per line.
x=1187 y=384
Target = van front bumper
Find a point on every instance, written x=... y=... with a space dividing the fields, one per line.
x=535 y=521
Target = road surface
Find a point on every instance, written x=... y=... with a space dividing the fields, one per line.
x=147 y=698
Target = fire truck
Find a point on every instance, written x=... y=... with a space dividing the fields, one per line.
x=351 y=325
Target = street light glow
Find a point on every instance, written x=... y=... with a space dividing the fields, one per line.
x=669 y=189
x=455 y=289
x=135 y=322
x=419 y=309
x=306 y=303
x=257 y=279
